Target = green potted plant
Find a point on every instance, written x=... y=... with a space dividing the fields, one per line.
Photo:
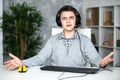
x=21 y=28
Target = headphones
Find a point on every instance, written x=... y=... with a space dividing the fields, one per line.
x=68 y=8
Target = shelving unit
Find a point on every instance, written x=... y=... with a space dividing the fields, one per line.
x=106 y=30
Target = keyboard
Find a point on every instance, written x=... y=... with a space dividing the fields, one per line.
x=70 y=69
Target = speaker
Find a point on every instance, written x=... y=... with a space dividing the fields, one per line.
x=68 y=8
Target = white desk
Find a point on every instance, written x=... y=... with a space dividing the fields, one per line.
x=35 y=73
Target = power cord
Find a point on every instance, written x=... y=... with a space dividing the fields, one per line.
x=104 y=69
x=63 y=78
x=59 y=77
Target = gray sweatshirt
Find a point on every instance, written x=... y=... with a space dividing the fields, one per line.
x=80 y=53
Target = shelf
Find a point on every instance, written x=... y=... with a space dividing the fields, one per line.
x=96 y=45
x=117 y=48
x=107 y=30
x=107 y=26
x=117 y=26
x=93 y=26
x=107 y=47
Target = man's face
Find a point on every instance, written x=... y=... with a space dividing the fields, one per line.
x=68 y=20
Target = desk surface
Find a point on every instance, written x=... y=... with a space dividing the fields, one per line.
x=35 y=73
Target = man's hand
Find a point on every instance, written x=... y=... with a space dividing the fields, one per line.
x=106 y=60
x=13 y=63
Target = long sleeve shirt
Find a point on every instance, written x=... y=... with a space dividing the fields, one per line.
x=78 y=53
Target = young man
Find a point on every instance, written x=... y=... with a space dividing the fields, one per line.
x=68 y=48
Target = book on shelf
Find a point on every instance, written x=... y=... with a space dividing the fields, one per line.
x=118 y=37
x=93 y=17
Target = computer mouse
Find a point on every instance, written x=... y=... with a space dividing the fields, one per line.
x=22 y=69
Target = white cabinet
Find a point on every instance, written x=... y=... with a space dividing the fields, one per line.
x=85 y=31
x=105 y=25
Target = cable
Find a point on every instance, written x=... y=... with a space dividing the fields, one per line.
x=103 y=69
x=59 y=78
x=84 y=57
x=100 y=69
x=63 y=78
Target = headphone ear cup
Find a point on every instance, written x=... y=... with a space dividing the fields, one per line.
x=58 y=21
x=78 y=20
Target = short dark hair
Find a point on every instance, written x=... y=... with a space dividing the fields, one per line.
x=68 y=8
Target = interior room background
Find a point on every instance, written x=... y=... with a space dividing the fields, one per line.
x=49 y=9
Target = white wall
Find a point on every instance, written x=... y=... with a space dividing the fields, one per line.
x=1 y=38
x=49 y=9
